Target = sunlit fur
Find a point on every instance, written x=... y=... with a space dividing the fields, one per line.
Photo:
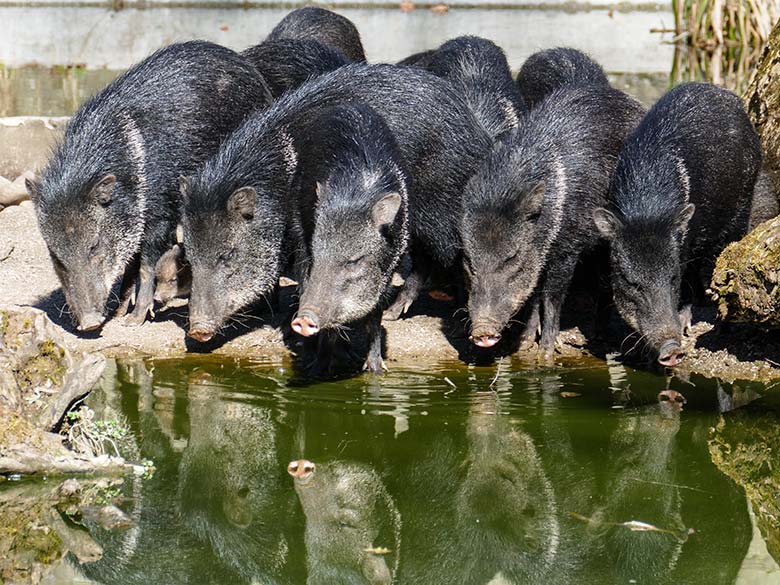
x=478 y=69
x=441 y=149
x=287 y=63
x=357 y=164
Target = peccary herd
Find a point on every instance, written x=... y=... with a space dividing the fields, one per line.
x=209 y=173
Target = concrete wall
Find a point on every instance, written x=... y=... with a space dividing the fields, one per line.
x=102 y=38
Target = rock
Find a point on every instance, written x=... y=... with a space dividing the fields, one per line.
x=762 y=100
x=746 y=276
x=13 y=193
x=40 y=377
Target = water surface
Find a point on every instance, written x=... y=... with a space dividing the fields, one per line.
x=435 y=475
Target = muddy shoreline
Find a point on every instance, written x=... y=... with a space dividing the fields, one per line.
x=27 y=279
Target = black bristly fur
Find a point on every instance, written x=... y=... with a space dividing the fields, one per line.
x=327 y=27
x=478 y=69
x=285 y=64
x=545 y=71
x=349 y=164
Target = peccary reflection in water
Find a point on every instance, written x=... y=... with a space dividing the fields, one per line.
x=232 y=494
x=353 y=528
x=507 y=514
x=641 y=488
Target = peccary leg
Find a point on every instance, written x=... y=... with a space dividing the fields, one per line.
x=528 y=336
x=553 y=295
x=145 y=300
x=374 y=362
x=406 y=296
x=127 y=288
x=415 y=281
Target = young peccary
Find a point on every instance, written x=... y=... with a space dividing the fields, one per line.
x=287 y=63
x=109 y=192
x=528 y=208
x=478 y=69
x=235 y=210
x=350 y=219
x=318 y=24
x=682 y=191
x=172 y=275
x=545 y=71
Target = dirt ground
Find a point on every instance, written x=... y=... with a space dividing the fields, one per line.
x=27 y=278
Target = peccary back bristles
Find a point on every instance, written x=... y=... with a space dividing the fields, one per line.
x=478 y=69
x=545 y=71
x=318 y=24
x=287 y=63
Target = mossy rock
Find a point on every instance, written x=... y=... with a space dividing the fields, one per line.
x=746 y=280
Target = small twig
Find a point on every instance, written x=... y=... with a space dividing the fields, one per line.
x=452 y=385
x=498 y=372
x=8 y=254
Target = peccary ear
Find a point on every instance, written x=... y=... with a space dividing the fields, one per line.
x=606 y=222
x=176 y=250
x=104 y=190
x=242 y=201
x=319 y=189
x=684 y=217
x=384 y=211
x=531 y=204
x=179 y=234
x=32 y=189
x=184 y=186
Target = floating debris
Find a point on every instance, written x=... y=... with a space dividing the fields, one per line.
x=377 y=550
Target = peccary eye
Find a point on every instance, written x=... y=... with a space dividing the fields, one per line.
x=533 y=216
x=172 y=281
x=227 y=256
x=354 y=262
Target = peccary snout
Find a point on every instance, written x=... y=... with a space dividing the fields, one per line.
x=302 y=469
x=485 y=340
x=91 y=321
x=201 y=331
x=670 y=354
x=306 y=323
x=485 y=332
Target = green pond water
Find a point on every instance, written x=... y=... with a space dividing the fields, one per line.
x=428 y=475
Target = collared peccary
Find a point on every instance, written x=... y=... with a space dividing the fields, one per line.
x=682 y=191
x=528 y=208
x=349 y=216
x=172 y=276
x=109 y=192
x=235 y=210
x=327 y=27
x=548 y=70
x=350 y=518
x=479 y=70
x=287 y=63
